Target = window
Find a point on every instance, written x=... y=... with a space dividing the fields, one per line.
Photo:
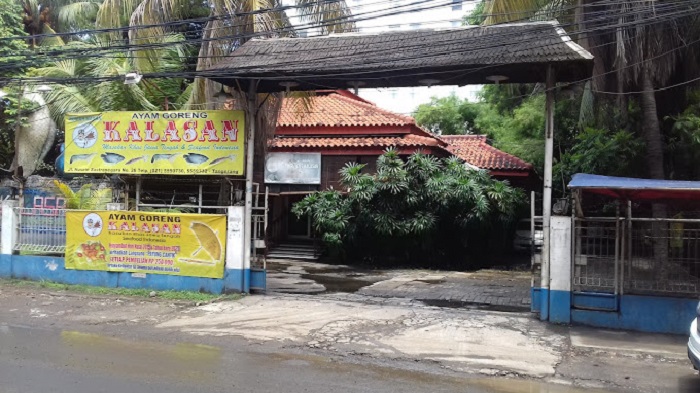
x=394 y=27
x=456 y=23
x=303 y=34
x=415 y=26
x=456 y=5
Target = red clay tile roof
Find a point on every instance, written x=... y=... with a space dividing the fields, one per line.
x=379 y=141
x=337 y=109
x=475 y=150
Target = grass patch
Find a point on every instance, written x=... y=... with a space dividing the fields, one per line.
x=145 y=293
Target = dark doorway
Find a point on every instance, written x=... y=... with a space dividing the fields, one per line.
x=299 y=227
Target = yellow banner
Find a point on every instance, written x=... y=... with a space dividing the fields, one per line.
x=163 y=143
x=158 y=243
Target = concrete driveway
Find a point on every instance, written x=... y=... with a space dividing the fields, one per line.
x=486 y=289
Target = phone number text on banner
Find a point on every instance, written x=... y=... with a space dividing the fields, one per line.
x=162 y=143
x=125 y=241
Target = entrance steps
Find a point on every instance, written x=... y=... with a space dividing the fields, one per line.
x=294 y=250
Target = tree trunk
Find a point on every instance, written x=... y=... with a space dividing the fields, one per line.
x=655 y=165
x=651 y=129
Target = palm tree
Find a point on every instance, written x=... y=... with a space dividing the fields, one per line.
x=635 y=48
x=226 y=25
x=108 y=92
x=229 y=24
x=50 y=16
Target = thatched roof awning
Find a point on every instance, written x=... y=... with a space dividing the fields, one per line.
x=457 y=56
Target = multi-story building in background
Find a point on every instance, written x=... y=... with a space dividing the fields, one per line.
x=373 y=16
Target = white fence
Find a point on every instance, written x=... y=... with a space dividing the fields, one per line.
x=40 y=231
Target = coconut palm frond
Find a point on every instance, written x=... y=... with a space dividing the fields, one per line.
x=97 y=199
x=210 y=53
x=68 y=99
x=114 y=95
x=504 y=11
x=79 y=14
x=320 y=11
x=586 y=113
x=59 y=69
x=266 y=120
x=68 y=194
x=115 y=13
x=184 y=101
x=51 y=41
x=553 y=10
x=300 y=102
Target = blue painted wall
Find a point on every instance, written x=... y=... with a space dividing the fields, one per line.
x=544 y=304
x=535 y=298
x=53 y=269
x=653 y=314
x=643 y=313
x=560 y=306
x=258 y=279
x=595 y=301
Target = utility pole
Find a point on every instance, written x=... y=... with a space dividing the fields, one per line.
x=15 y=160
x=251 y=114
x=18 y=126
x=547 y=192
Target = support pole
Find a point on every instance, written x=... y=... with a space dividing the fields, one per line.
x=18 y=129
x=547 y=194
x=250 y=152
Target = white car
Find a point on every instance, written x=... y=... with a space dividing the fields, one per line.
x=694 y=341
x=521 y=242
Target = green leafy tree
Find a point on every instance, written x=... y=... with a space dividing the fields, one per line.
x=683 y=141
x=631 y=52
x=600 y=152
x=114 y=95
x=448 y=115
x=86 y=198
x=10 y=26
x=476 y=17
x=421 y=210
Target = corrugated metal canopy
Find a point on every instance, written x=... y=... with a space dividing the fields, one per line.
x=457 y=56
x=635 y=189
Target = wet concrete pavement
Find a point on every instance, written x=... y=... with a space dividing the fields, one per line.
x=485 y=289
x=49 y=360
x=328 y=342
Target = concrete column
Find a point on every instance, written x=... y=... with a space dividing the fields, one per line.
x=560 y=270
x=10 y=227
x=235 y=250
x=10 y=234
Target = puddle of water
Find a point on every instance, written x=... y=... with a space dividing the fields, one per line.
x=428 y=281
x=337 y=284
x=520 y=386
x=182 y=360
x=438 y=382
x=470 y=305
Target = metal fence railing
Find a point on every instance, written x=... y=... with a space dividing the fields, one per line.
x=596 y=254
x=640 y=256
x=41 y=231
x=664 y=258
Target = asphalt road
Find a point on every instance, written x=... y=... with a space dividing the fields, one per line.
x=52 y=360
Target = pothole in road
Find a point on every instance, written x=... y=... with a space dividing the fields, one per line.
x=471 y=305
x=333 y=284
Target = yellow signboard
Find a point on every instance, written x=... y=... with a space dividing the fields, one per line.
x=162 y=143
x=158 y=243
